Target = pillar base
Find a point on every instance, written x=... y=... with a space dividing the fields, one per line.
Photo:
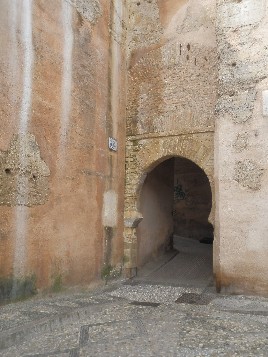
x=130 y=272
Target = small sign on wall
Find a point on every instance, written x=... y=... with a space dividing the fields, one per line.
x=265 y=103
x=113 y=144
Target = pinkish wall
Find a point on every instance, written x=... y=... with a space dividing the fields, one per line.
x=156 y=204
x=57 y=77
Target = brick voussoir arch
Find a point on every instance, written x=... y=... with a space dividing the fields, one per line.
x=152 y=154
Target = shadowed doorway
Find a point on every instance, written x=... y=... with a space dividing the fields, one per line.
x=175 y=202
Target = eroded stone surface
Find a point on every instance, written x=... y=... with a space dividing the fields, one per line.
x=173 y=88
x=248 y=174
x=241 y=149
x=241 y=142
x=145 y=24
x=90 y=10
x=238 y=107
x=241 y=13
x=23 y=173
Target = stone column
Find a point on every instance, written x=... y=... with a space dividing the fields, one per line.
x=131 y=221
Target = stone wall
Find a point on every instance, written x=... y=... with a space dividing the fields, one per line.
x=62 y=96
x=172 y=93
x=241 y=145
x=156 y=205
x=192 y=201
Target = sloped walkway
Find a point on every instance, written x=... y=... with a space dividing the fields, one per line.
x=189 y=265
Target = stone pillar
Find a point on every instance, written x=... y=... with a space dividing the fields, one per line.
x=132 y=220
x=241 y=147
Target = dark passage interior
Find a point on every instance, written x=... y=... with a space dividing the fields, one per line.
x=156 y=206
x=175 y=202
x=192 y=201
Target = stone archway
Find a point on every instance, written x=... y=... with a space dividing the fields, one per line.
x=142 y=157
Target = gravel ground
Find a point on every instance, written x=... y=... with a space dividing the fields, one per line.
x=170 y=309
x=136 y=320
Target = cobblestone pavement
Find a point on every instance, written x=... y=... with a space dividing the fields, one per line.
x=137 y=318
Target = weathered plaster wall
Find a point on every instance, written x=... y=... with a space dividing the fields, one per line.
x=192 y=201
x=156 y=207
x=241 y=146
x=62 y=68
x=173 y=75
x=172 y=93
x=59 y=104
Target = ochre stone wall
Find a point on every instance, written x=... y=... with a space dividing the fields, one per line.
x=241 y=146
x=59 y=104
x=172 y=93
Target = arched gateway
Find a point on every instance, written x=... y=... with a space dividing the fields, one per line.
x=143 y=156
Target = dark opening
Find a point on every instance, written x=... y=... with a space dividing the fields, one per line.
x=192 y=201
x=175 y=202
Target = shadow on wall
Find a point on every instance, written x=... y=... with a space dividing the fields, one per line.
x=176 y=198
x=192 y=201
x=156 y=206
